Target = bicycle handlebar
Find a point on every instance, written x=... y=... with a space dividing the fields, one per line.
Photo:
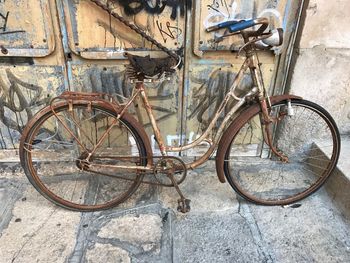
x=239 y=25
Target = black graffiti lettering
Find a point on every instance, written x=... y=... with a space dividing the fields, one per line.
x=155 y=7
x=116 y=84
x=209 y=96
x=179 y=4
x=170 y=31
x=17 y=101
x=133 y=7
x=3 y=24
x=216 y=5
x=4 y=19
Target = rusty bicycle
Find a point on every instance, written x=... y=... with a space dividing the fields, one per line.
x=86 y=152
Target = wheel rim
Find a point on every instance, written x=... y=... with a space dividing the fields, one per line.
x=53 y=154
x=261 y=179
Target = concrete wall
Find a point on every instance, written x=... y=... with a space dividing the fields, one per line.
x=321 y=72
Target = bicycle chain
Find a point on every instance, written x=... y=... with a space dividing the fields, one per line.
x=136 y=29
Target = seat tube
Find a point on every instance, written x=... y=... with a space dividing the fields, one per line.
x=140 y=86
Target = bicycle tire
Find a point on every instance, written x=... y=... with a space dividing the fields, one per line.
x=313 y=154
x=49 y=155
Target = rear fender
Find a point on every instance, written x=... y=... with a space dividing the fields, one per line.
x=235 y=126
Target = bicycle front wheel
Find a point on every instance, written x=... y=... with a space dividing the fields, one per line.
x=55 y=146
x=307 y=135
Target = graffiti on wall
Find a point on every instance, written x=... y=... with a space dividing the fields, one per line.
x=162 y=20
x=115 y=83
x=211 y=92
x=17 y=101
x=165 y=21
x=167 y=30
x=155 y=7
x=4 y=17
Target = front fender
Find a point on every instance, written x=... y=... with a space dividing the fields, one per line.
x=235 y=126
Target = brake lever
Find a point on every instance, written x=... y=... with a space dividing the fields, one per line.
x=256 y=39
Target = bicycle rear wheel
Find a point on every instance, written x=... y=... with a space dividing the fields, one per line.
x=54 y=147
x=309 y=138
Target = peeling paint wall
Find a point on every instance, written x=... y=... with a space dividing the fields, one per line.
x=49 y=46
x=321 y=71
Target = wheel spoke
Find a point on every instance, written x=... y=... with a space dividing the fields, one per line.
x=59 y=166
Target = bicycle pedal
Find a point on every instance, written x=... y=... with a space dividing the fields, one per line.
x=184 y=205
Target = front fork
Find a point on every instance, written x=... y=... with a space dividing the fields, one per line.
x=265 y=103
x=268 y=122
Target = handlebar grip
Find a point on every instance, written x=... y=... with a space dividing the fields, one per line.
x=222 y=25
x=241 y=25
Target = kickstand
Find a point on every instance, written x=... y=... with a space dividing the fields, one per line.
x=183 y=203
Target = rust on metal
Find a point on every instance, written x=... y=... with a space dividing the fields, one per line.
x=234 y=127
x=140 y=86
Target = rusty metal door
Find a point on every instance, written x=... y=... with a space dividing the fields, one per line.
x=49 y=46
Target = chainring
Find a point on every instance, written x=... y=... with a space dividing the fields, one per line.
x=166 y=166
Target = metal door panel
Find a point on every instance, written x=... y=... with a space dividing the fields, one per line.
x=94 y=34
x=211 y=12
x=26 y=28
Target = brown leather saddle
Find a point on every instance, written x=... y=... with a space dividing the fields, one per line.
x=147 y=67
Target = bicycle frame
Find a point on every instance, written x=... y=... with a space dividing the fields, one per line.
x=258 y=90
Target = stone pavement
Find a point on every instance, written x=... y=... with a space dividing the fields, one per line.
x=147 y=228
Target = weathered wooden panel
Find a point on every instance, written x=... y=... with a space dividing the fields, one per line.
x=93 y=33
x=26 y=28
x=23 y=91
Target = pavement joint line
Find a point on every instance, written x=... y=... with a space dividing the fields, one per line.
x=6 y=211
x=81 y=243
x=34 y=233
x=245 y=213
x=127 y=210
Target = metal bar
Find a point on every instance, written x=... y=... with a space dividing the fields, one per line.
x=125 y=167
x=67 y=129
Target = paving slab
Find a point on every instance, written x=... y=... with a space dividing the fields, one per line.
x=216 y=237
x=38 y=231
x=310 y=231
x=338 y=184
x=221 y=227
